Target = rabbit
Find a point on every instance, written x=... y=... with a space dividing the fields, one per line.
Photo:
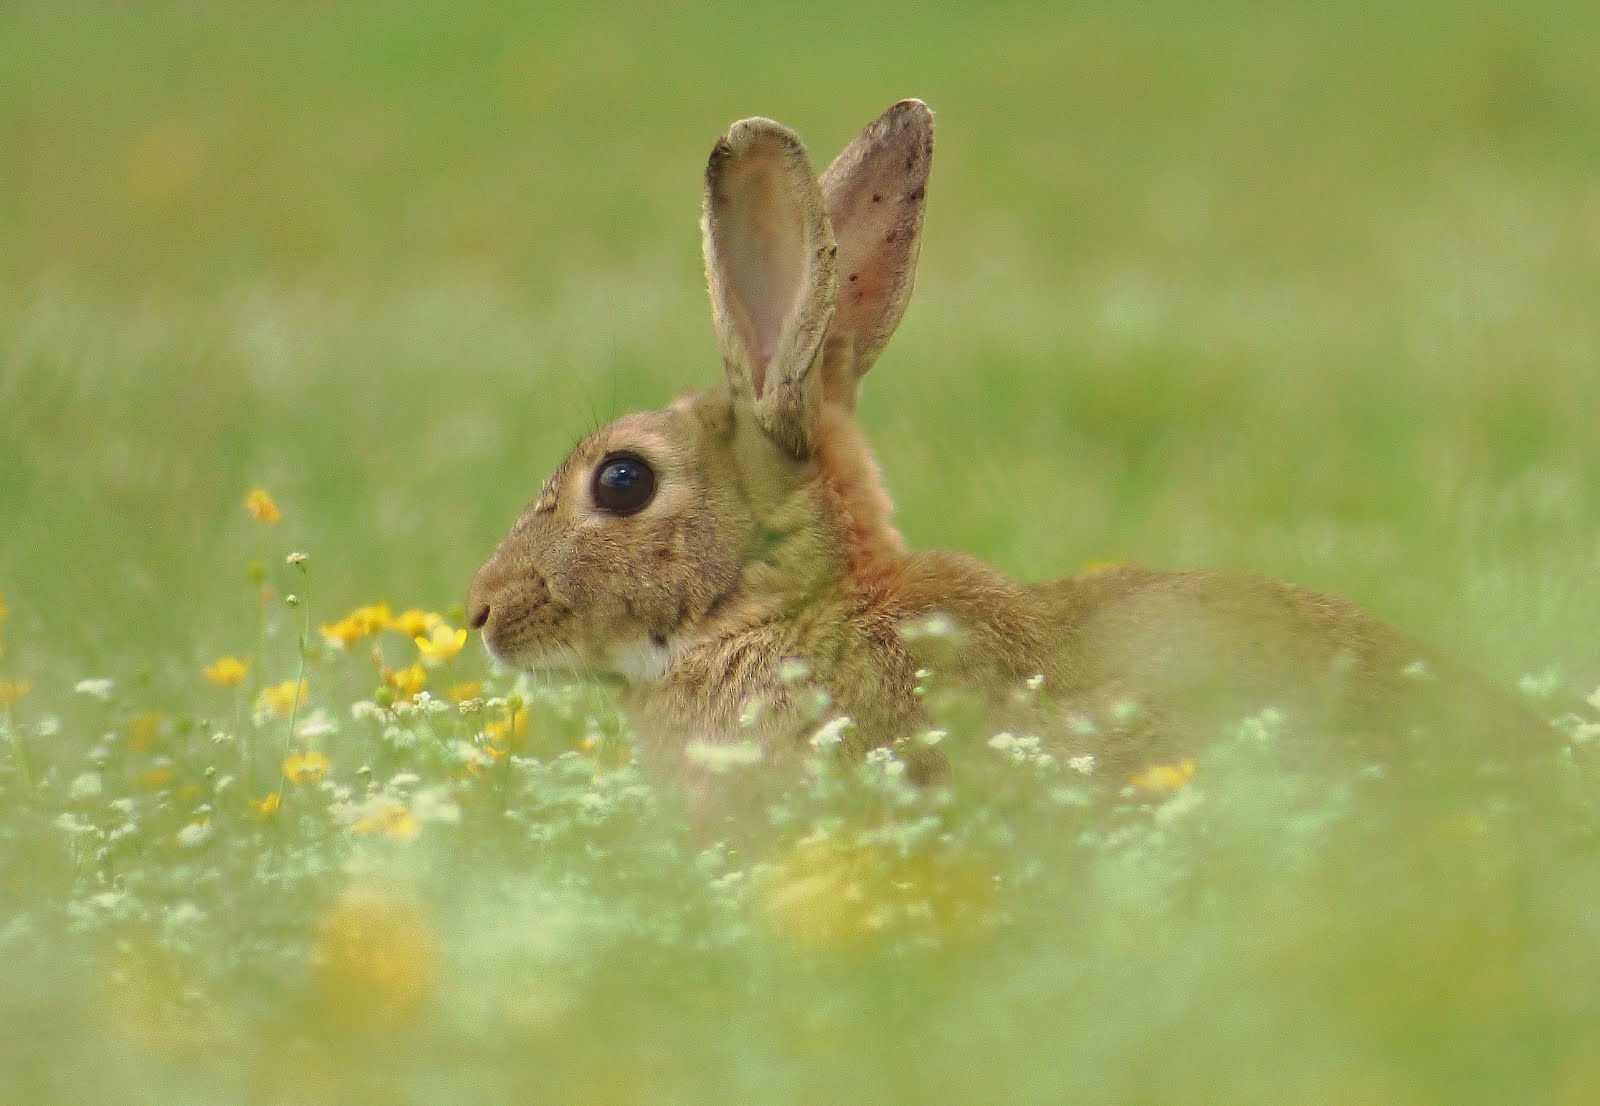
x=731 y=563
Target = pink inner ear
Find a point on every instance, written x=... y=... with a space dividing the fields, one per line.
x=761 y=248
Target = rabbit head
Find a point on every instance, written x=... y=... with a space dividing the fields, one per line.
x=752 y=498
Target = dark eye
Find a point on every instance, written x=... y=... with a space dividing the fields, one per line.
x=623 y=484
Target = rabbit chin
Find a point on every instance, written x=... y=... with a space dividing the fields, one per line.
x=643 y=659
x=637 y=662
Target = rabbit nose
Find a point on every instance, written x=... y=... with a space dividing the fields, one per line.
x=479 y=594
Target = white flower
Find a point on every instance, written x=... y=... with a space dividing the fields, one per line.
x=48 y=726
x=1036 y=681
x=194 y=834
x=1542 y=686
x=1594 y=699
x=365 y=709
x=1417 y=670
x=831 y=733
x=434 y=805
x=886 y=760
x=317 y=725
x=1123 y=711
x=1083 y=763
x=98 y=689
x=184 y=913
x=1177 y=806
x=935 y=625
x=1004 y=742
x=1070 y=796
x=399 y=737
x=1081 y=725
x=715 y=757
x=71 y=823
x=792 y=669
x=86 y=786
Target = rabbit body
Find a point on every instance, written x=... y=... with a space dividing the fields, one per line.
x=731 y=560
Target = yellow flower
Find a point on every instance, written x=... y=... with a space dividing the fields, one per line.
x=462 y=692
x=341 y=633
x=406 y=682
x=820 y=893
x=358 y=624
x=13 y=691
x=392 y=820
x=1091 y=567
x=154 y=778
x=443 y=645
x=1166 y=777
x=304 y=768
x=267 y=807
x=502 y=734
x=375 y=958
x=261 y=507
x=144 y=730
x=374 y=616
x=227 y=671
x=282 y=698
x=415 y=623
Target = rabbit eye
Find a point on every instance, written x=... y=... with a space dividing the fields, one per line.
x=623 y=484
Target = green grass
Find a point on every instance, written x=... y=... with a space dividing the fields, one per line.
x=1291 y=289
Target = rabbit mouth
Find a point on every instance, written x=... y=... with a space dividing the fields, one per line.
x=635 y=660
x=545 y=658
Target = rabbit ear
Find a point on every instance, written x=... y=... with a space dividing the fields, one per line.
x=770 y=266
x=876 y=192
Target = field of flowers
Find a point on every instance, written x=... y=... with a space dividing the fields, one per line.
x=299 y=304
x=379 y=873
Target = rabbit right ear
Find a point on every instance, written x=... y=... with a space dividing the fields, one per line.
x=876 y=191
x=770 y=267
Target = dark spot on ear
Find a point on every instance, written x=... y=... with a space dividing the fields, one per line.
x=854 y=275
x=911 y=161
x=890 y=237
x=658 y=640
x=876 y=197
x=916 y=194
x=833 y=251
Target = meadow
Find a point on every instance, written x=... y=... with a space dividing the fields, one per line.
x=299 y=306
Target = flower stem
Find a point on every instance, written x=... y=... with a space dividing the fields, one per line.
x=305 y=647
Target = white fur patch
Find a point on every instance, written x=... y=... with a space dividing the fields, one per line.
x=643 y=660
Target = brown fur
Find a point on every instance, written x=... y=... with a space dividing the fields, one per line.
x=765 y=589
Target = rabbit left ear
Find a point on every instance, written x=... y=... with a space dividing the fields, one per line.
x=771 y=270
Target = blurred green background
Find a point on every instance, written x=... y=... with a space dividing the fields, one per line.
x=1301 y=289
